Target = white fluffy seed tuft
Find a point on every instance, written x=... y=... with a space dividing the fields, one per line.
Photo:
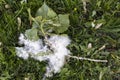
x=38 y=51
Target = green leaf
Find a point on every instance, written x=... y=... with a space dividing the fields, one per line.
x=46 y=12
x=31 y=34
x=64 y=21
x=51 y=13
x=98 y=3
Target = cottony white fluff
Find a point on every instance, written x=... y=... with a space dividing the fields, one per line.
x=55 y=60
x=30 y=47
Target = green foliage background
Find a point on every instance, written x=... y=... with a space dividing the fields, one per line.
x=80 y=31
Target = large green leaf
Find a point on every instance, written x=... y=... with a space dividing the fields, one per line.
x=31 y=34
x=49 y=18
x=46 y=12
x=64 y=21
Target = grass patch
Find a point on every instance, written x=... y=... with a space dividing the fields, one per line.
x=82 y=32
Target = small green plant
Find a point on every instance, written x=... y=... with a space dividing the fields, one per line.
x=47 y=21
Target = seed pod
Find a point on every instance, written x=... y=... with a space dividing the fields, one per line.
x=89 y=45
x=7 y=6
x=19 y=22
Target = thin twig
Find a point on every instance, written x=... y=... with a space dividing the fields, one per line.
x=82 y=58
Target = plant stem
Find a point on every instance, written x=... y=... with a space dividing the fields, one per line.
x=42 y=30
x=88 y=59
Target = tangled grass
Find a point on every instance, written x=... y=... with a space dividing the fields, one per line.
x=94 y=30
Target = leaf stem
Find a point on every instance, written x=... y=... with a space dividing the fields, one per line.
x=41 y=25
x=42 y=30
